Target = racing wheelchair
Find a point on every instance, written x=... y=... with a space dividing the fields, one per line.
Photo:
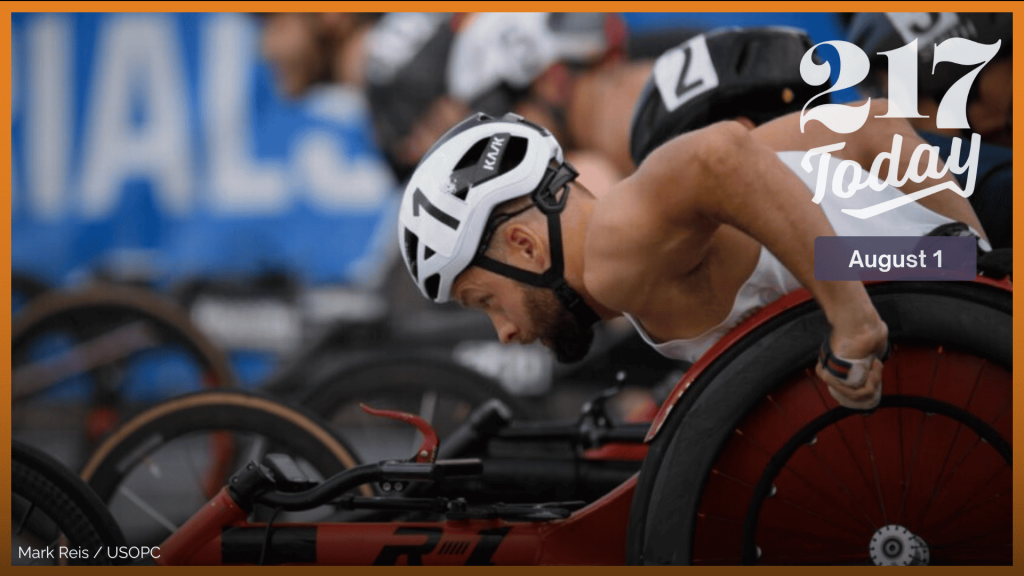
x=748 y=461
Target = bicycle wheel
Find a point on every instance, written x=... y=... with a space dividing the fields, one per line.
x=50 y=508
x=82 y=359
x=24 y=289
x=158 y=468
x=435 y=388
x=758 y=464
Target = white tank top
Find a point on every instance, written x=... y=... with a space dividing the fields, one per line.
x=771 y=280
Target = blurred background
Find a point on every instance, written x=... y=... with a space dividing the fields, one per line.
x=210 y=200
x=157 y=149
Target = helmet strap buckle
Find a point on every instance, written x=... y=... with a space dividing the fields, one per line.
x=545 y=197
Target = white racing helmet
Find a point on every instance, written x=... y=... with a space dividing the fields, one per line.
x=448 y=203
x=516 y=48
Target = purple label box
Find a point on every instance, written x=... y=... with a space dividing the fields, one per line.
x=895 y=258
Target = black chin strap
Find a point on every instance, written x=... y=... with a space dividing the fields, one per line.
x=553 y=278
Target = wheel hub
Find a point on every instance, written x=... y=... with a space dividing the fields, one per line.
x=894 y=545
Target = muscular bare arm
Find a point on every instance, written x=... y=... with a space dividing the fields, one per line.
x=863 y=146
x=721 y=175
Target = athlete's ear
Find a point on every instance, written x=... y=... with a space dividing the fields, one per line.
x=525 y=247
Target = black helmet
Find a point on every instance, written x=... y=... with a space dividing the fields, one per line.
x=881 y=32
x=406 y=59
x=488 y=64
x=496 y=57
x=729 y=72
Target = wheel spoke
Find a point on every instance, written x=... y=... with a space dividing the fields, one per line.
x=952 y=444
x=903 y=466
x=833 y=475
x=853 y=458
x=197 y=477
x=809 y=536
x=959 y=543
x=24 y=518
x=944 y=480
x=874 y=468
x=963 y=509
x=913 y=462
x=819 y=516
x=145 y=507
x=152 y=467
x=813 y=488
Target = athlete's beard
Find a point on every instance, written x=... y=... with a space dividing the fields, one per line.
x=556 y=327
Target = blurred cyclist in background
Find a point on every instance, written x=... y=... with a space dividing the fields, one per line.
x=426 y=72
x=311 y=48
x=989 y=102
x=579 y=74
x=750 y=75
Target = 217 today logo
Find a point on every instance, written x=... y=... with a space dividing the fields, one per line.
x=902 y=76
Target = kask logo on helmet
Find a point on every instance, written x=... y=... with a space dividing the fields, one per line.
x=903 y=76
x=494 y=152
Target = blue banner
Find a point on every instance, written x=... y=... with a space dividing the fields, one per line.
x=160 y=140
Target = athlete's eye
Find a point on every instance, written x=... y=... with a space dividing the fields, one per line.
x=485 y=302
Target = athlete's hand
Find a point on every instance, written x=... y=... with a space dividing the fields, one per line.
x=863 y=397
x=855 y=381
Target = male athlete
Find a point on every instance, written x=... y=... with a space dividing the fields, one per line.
x=714 y=224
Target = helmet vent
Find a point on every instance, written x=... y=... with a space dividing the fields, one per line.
x=432 y=284
x=411 y=244
x=487 y=159
x=427 y=253
x=465 y=174
x=514 y=154
x=472 y=155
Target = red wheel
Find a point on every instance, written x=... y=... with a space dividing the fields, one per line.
x=802 y=481
x=756 y=463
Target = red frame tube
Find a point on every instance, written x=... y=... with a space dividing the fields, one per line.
x=204 y=526
x=595 y=534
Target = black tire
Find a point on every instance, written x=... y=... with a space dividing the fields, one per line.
x=48 y=500
x=972 y=319
x=132 y=452
x=67 y=429
x=400 y=382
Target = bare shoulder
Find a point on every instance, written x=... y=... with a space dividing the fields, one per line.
x=691 y=158
x=646 y=230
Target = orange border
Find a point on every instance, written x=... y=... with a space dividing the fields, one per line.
x=307 y=6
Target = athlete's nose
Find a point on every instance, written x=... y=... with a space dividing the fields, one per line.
x=506 y=330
